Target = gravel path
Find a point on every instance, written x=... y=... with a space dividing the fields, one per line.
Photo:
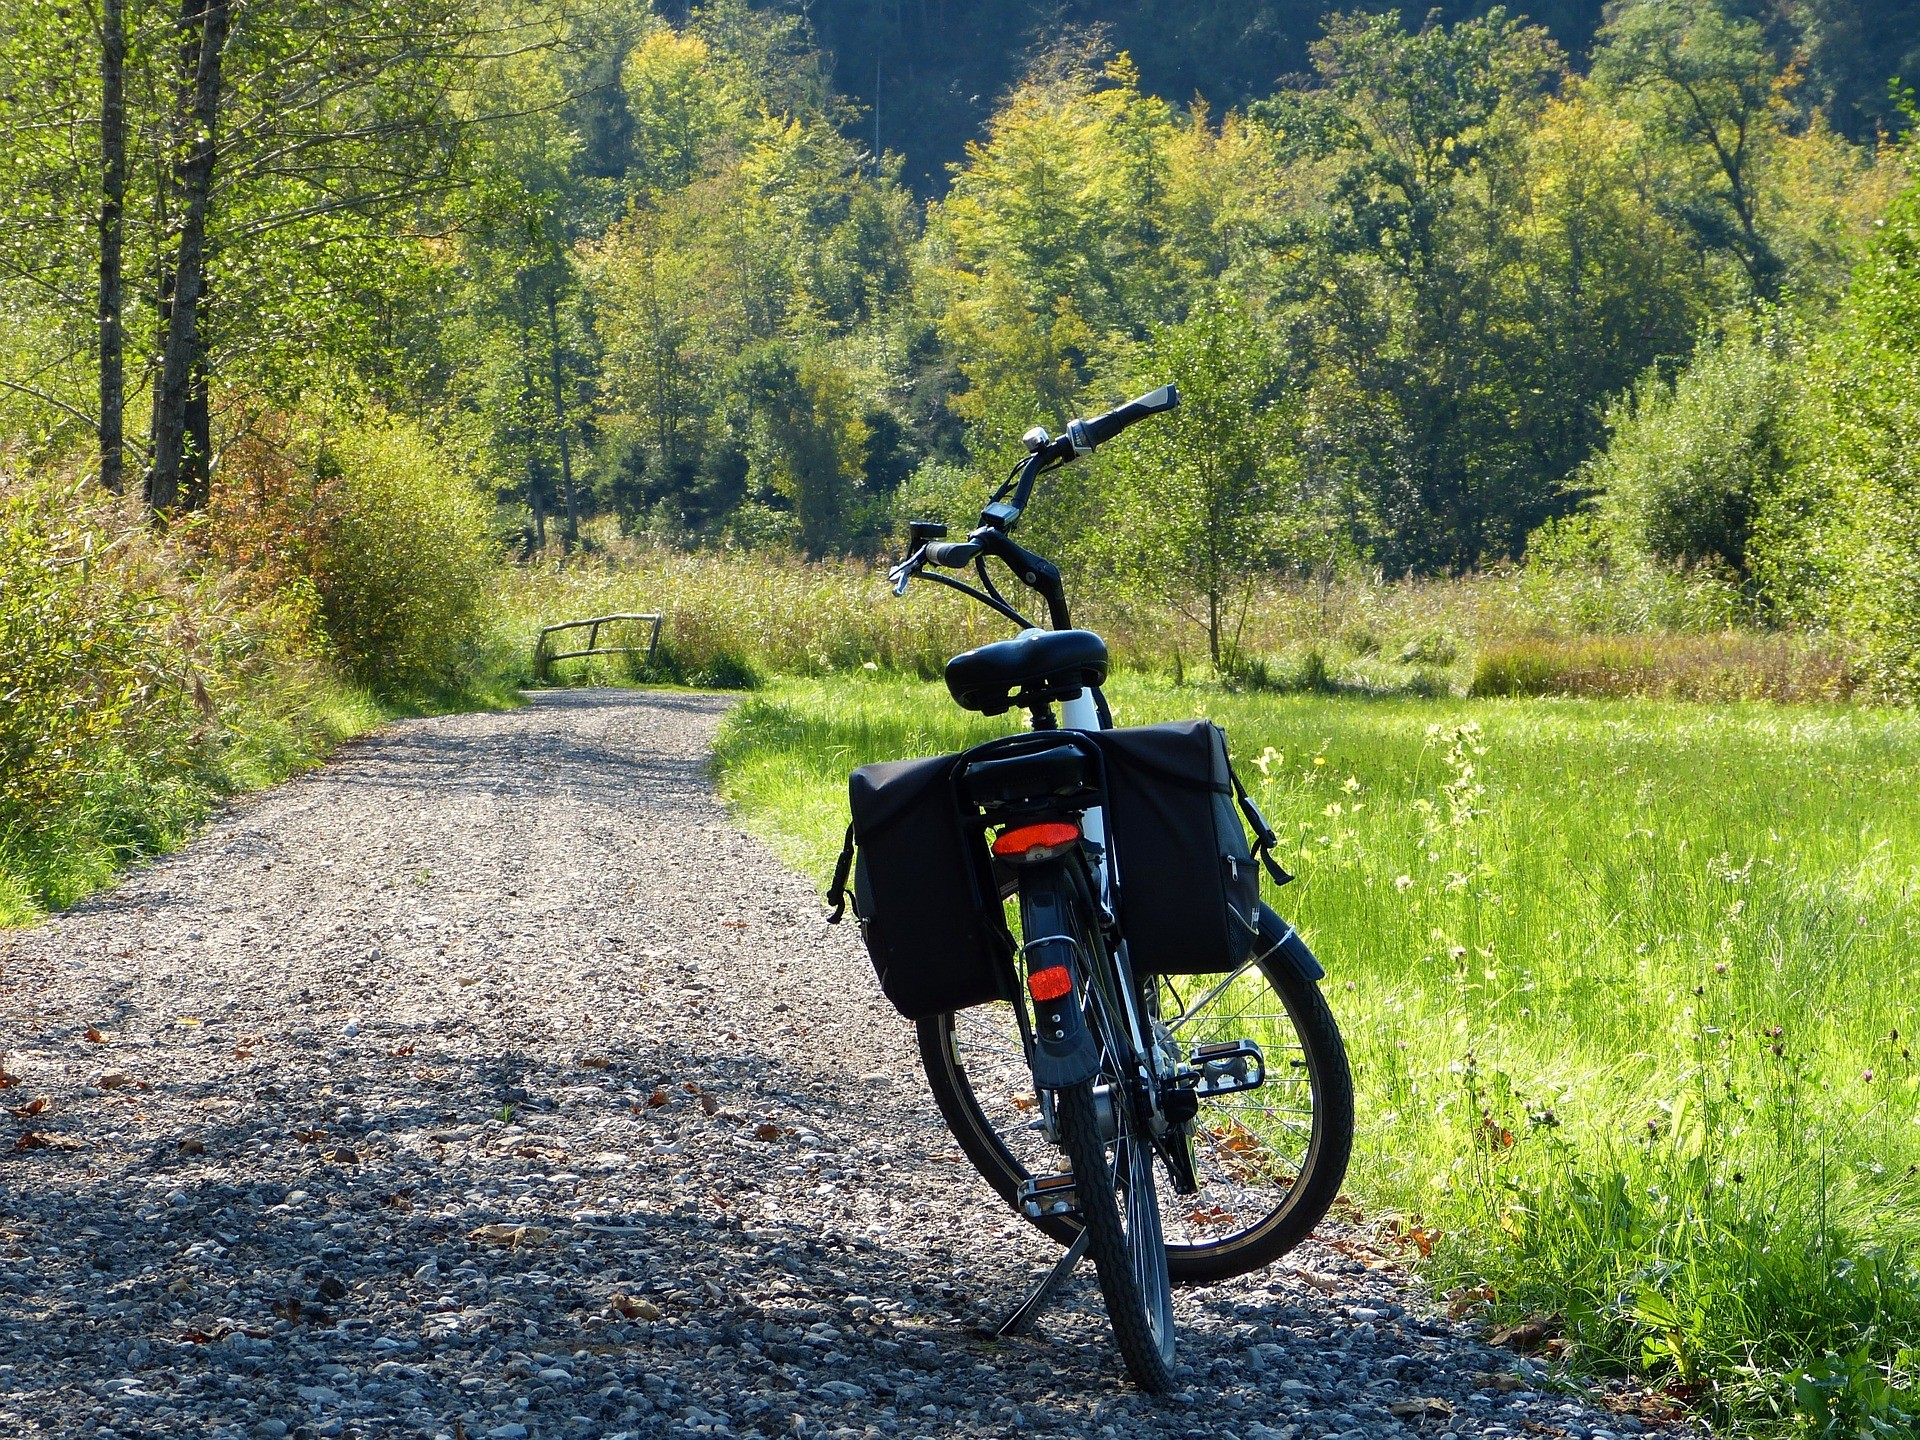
x=491 y=1082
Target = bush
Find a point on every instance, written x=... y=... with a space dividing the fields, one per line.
x=383 y=528
x=96 y=655
x=1842 y=543
x=1689 y=463
x=136 y=682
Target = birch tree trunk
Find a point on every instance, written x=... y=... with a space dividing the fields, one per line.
x=204 y=37
x=113 y=199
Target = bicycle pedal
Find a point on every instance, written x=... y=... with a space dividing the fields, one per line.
x=1042 y=1196
x=1230 y=1066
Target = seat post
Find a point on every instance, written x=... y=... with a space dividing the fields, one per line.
x=1044 y=718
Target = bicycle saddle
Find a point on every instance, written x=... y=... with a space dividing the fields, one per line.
x=1036 y=667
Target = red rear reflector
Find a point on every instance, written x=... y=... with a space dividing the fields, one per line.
x=1050 y=983
x=1052 y=835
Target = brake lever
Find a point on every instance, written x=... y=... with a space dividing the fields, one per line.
x=901 y=574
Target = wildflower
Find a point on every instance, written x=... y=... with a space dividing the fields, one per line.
x=1867 y=1075
x=1403 y=883
x=1719 y=967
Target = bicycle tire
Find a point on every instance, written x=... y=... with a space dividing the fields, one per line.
x=1130 y=1258
x=1323 y=1161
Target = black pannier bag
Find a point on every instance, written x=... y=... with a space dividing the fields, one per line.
x=922 y=889
x=1189 y=886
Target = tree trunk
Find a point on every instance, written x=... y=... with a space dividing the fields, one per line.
x=113 y=198
x=196 y=458
x=560 y=415
x=204 y=36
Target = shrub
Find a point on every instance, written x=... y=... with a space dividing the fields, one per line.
x=383 y=528
x=96 y=662
x=1842 y=542
x=1690 y=462
x=136 y=682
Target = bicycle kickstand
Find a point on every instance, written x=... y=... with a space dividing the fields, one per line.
x=1021 y=1320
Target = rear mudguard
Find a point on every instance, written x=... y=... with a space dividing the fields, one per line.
x=1064 y=1050
x=1278 y=937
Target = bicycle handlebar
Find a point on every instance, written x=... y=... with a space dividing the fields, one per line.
x=1085 y=434
x=952 y=555
x=1044 y=452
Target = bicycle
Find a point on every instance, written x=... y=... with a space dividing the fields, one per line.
x=1169 y=1039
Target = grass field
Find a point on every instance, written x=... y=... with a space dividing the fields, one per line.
x=1627 y=989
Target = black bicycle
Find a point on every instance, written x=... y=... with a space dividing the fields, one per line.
x=1071 y=915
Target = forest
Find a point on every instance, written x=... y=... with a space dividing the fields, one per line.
x=613 y=264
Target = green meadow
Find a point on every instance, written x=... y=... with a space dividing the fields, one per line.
x=1628 y=987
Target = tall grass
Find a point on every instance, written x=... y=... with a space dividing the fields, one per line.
x=1625 y=986
x=734 y=618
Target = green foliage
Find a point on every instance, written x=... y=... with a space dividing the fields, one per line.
x=1690 y=463
x=137 y=687
x=1841 y=541
x=407 y=563
x=1658 y=1086
x=1210 y=494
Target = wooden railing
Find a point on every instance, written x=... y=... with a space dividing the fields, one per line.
x=544 y=655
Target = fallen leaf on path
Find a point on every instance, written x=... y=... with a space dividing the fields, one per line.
x=1432 y=1408
x=1529 y=1335
x=192 y=1146
x=33 y=1107
x=1498 y=1380
x=1325 y=1284
x=34 y=1140
x=403 y=1051
x=189 y=1022
x=243 y=1052
x=95 y=1036
x=344 y=1156
x=513 y=1236
x=1208 y=1217
x=767 y=1131
x=7 y=1081
x=657 y=1099
x=633 y=1308
x=1463 y=1298
x=113 y=1079
x=309 y=1137
x=709 y=1105
x=594 y=1062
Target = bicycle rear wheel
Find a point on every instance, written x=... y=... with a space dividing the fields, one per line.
x=1270 y=1161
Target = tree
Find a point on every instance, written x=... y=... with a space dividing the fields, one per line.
x=1211 y=496
x=1705 y=80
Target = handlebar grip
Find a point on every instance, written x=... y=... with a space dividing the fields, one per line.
x=1086 y=434
x=952 y=554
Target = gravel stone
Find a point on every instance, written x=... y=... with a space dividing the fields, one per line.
x=534 y=1099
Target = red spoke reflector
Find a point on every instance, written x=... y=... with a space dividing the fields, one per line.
x=1050 y=983
x=1050 y=835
